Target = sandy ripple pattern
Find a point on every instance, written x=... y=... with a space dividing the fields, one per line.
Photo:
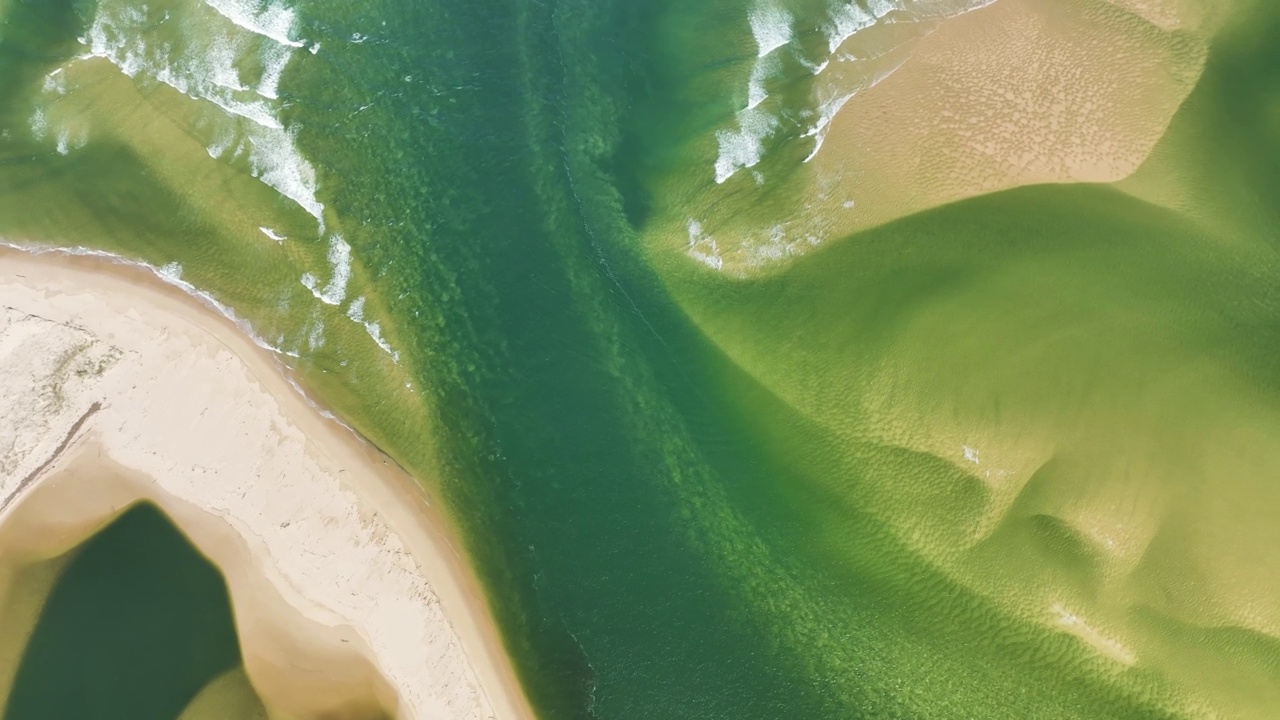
x=918 y=105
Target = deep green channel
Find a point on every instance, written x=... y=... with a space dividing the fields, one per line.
x=554 y=359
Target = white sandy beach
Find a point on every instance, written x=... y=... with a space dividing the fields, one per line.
x=115 y=388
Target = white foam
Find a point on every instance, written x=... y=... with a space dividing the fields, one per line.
x=744 y=146
x=172 y=271
x=375 y=332
x=771 y=27
x=340 y=261
x=55 y=82
x=356 y=310
x=272 y=234
x=778 y=245
x=847 y=18
x=205 y=299
x=827 y=112
x=208 y=71
x=829 y=109
x=38 y=123
x=760 y=72
x=881 y=8
x=703 y=248
x=219 y=147
x=191 y=83
x=277 y=162
x=311 y=282
x=775 y=247
x=273 y=21
x=949 y=10
x=220 y=65
x=274 y=62
x=170 y=274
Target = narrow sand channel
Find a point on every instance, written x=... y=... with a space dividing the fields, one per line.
x=116 y=388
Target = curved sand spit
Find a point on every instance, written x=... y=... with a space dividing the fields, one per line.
x=115 y=388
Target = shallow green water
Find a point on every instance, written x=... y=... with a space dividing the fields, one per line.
x=687 y=495
x=137 y=623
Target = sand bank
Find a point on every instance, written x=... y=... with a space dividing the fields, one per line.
x=1015 y=93
x=116 y=388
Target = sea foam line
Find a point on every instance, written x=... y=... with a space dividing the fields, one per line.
x=744 y=146
x=340 y=262
x=170 y=274
x=275 y=22
x=272 y=234
x=173 y=278
x=847 y=19
x=770 y=26
x=211 y=75
x=699 y=239
x=355 y=312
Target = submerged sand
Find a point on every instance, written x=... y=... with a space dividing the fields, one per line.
x=348 y=597
x=1010 y=94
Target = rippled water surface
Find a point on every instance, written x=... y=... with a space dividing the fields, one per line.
x=775 y=359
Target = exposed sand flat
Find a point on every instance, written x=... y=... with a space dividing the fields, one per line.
x=1015 y=93
x=115 y=388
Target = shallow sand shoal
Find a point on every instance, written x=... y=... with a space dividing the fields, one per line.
x=117 y=388
x=1006 y=95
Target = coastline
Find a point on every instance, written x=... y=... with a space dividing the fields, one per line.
x=341 y=559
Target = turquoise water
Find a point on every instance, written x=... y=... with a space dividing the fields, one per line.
x=690 y=495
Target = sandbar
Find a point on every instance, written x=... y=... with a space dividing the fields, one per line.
x=349 y=594
x=1009 y=94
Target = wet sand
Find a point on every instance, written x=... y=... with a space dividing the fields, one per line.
x=1016 y=93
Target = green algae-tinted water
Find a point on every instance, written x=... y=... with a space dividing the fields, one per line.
x=136 y=625
x=1011 y=457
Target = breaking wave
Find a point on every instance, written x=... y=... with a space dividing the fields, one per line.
x=227 y=54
